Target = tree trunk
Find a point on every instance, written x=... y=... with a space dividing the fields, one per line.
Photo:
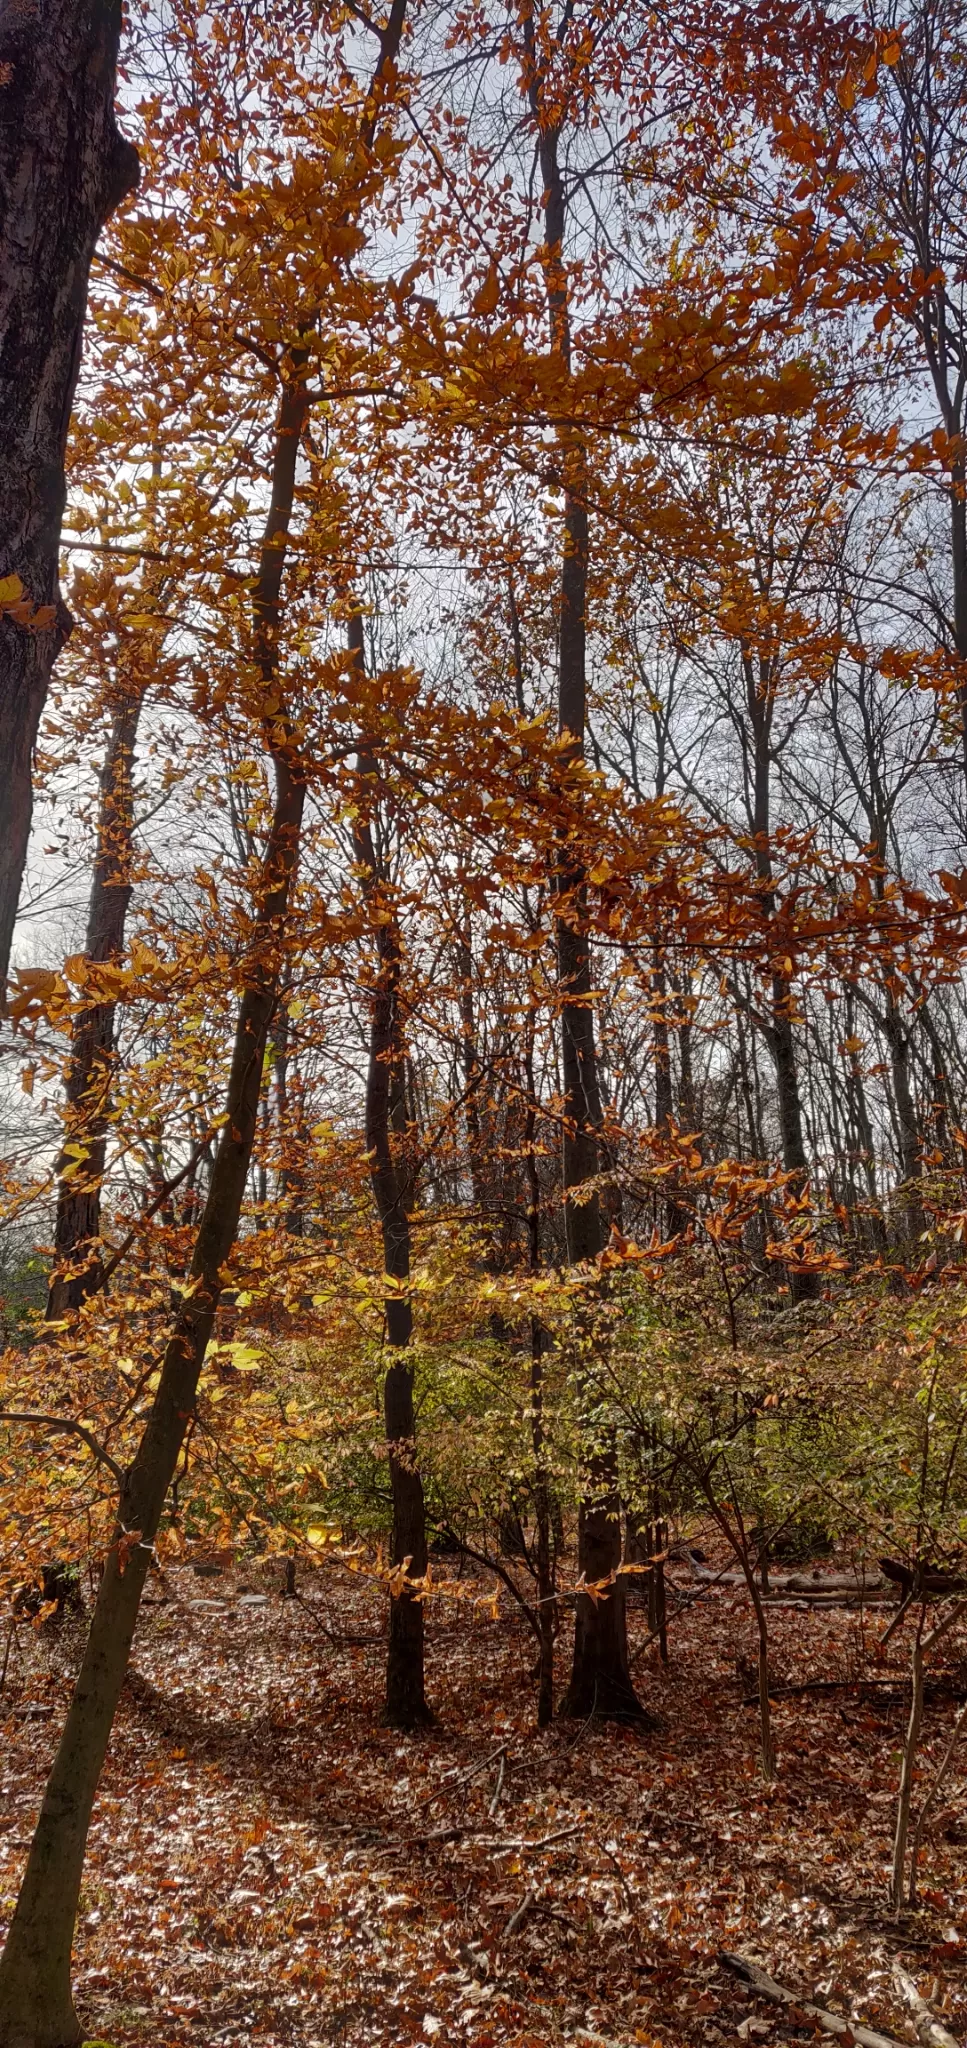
x=36 y=2009
x=290 y=1126
x=77 y=1260
x=958 y=563
x=760 y=682
x=600 y=1673
x=687 y=1103
x=386 y=1121
x=911 y=1206
x=542 y=1490
x=911 y=1743
x=63 y=169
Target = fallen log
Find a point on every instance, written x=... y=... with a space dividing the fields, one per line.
x=927 y=1582
x=931 y=2032
x=830 y=2022
x=807 y=1602
x=857 y=1583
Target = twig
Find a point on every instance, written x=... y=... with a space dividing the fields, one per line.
x=7 y=1648
x=461 y=1778
x=622 y=1880
x=528 y=1902
x=506 y=1845
x=690 y=1601
x=905 y=1603
x=546 y=1841
x=332 y=1635
x=830 y=2022
x=168 y=1188
x=930 y=2032
x=931 y=1795
x=498 y=1788
x=73 y=1428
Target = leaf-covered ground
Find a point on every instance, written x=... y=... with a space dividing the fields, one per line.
x=269 y=1864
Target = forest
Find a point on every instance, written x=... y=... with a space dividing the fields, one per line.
x=483 y=1059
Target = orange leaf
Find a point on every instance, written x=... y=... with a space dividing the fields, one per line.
x=487 y=299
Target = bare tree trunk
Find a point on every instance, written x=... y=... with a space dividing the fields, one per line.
x=760 y=681
x=470 y=1062
x=542 y=1496
x=911 y=1742
x=290 y=1125
x=738 y=1542
x=77 y=1258
x=600 y=1673
x=913 y=1220
x=687 y=1102
x=386 y=1123
x=63 y=169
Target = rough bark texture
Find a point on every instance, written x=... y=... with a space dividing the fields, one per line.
x=406 y=1705
x=77 y=1261
x=63 y=169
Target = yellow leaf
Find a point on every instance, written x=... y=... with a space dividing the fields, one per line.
x=11 y=589
x=27 y=1080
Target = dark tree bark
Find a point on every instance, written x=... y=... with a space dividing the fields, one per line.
x=600 y=1674
x=544 y=1549
x=908 y=1123
x=760 y=687
x=36 y=2008
x=77 y=1259
x=386 y=1123
x=63 y=169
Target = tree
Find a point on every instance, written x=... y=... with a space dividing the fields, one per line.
x=64 y=167
x=392 y=1184
x=36 y=2009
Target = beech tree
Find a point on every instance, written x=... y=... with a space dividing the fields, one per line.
x=36 y=2009
x=517 y=1044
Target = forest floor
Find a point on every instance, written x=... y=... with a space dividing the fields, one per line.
x=271 y=1865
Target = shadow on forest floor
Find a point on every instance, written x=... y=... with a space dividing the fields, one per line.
x=270 y=1864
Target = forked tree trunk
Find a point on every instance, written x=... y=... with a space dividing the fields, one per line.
x=36 y=2008
x=63 y=169
x=600 y=1673
x=77 y=1259
x=406 y=1705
